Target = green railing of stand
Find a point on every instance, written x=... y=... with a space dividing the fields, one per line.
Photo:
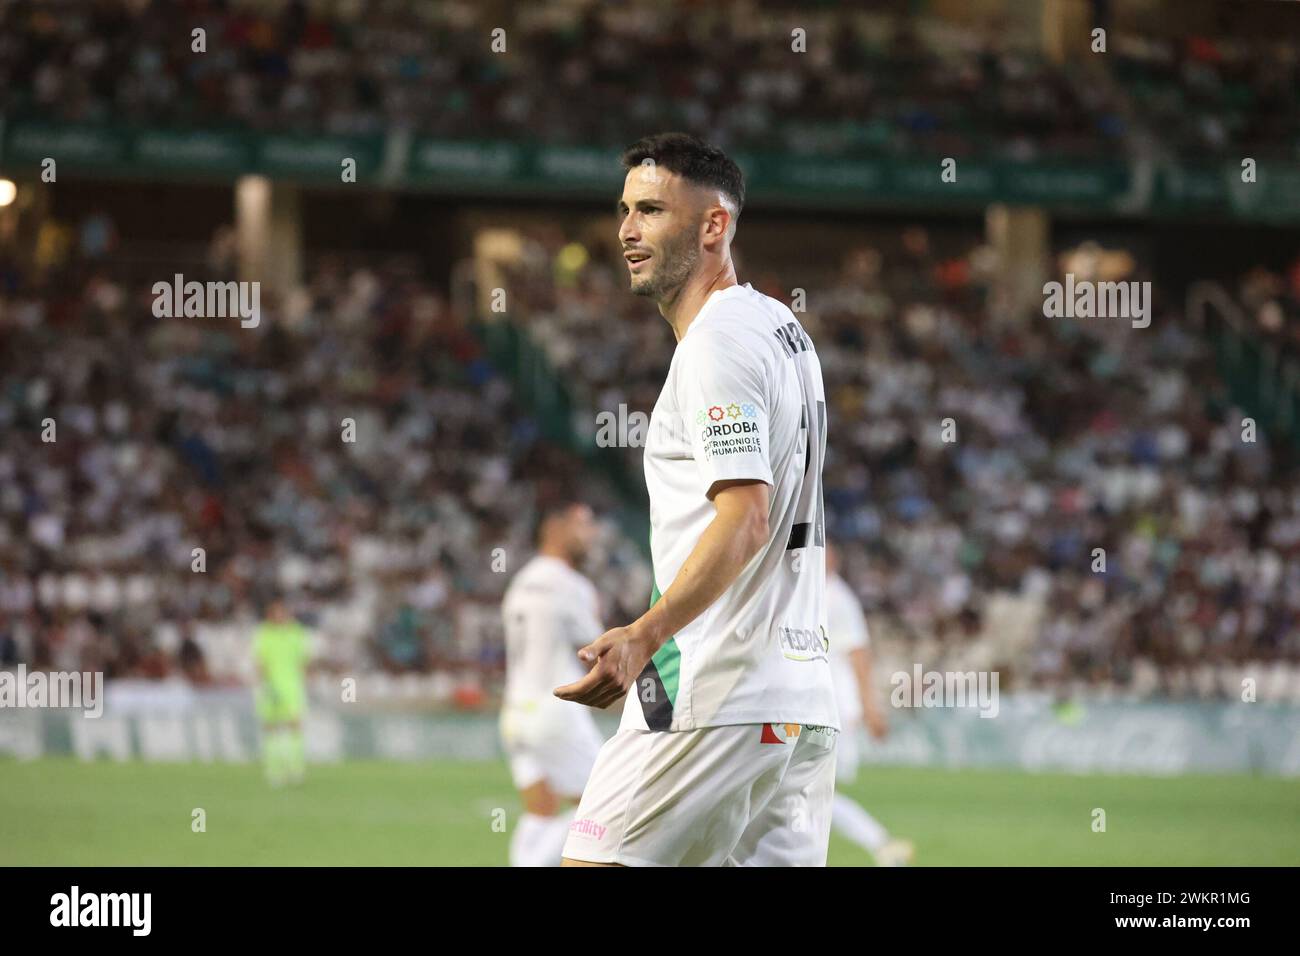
x=1260 y=379
x=542 y=392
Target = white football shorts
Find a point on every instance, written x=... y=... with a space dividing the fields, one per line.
x=742 y=795
x=848 y=753
x=547 y=743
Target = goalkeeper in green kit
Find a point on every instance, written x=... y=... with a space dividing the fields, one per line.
x=280 y=648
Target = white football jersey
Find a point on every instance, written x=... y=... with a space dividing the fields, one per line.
x=743 y=400
x=549 y=611
x=847 y=628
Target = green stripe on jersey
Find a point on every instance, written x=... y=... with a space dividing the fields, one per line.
x=664 y=669
x=668 y=659
x=668 y=662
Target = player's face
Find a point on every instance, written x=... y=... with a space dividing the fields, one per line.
x=659 y=232
x=582 y=529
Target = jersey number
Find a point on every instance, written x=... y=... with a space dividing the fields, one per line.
x=810 y=516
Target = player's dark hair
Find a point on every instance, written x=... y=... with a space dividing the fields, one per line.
x=553 y=506
x=692 y=159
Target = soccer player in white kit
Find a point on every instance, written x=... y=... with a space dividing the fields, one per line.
x=725 y=754
x=550 y=610
x=858 y=705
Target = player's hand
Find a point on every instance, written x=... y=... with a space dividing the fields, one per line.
x=617 y=657
x=876 y=723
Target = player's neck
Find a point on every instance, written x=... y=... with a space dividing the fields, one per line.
x=683 y=309
x=554 y=552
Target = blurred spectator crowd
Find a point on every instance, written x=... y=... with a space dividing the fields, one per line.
x=355 y=453
x=871 y=80
x=974 y=552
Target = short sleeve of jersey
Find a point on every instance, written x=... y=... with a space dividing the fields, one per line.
x=723 y=397
x=556 y=626
x=576 y=628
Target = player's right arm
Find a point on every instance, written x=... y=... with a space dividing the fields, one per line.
x=738 y=531
x=720 y=379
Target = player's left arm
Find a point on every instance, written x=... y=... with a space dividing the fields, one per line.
x=852 y=627
x=738 y=531
x=872 y=713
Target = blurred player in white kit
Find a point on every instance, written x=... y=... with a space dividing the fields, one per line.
x=858 y=704
x=550 y=610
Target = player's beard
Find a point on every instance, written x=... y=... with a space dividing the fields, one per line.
x=674 y=263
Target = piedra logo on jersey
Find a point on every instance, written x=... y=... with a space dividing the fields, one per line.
x=802 y=643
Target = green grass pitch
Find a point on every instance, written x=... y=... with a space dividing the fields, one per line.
x=57 y=811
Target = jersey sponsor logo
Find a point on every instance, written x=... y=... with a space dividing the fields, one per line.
x=588 y=828
x=779 y=733
x=802 y=643
x=729 y=410
x=743 y=445
x=823 y=737
x=729 y=428
x=732 y=438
